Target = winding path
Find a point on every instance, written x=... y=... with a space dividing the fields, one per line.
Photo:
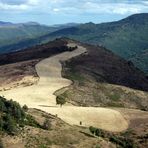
x=41 y=96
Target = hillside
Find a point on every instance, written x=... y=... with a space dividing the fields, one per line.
x=98 y=80
x=127 y=38
x=105 y=77
x=99 y=66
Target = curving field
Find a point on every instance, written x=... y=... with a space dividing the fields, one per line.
x=41 y=96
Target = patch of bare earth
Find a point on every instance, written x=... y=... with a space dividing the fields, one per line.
x=18 y=74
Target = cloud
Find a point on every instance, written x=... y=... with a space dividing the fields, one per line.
x=13 y=2
x=56 y=10
x=7 y=7
x=75 y=7
x=18 y=5
x=117 y=8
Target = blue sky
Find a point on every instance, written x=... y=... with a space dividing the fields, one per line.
x=64 y=11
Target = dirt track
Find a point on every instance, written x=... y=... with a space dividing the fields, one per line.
x=41 y=96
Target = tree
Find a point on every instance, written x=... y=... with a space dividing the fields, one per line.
x=10 y=125
x=60 y=100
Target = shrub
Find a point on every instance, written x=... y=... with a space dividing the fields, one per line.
x=47 y=124
x=99 y=133
x=25 y=108
x=92 y=129
x=122 y=141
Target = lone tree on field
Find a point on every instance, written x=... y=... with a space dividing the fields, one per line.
x=60 y=100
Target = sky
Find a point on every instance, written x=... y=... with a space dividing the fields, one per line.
x=67 y=11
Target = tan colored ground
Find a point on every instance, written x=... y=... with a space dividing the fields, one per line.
x=41 y=96
x=104 y=118
x=19 y=74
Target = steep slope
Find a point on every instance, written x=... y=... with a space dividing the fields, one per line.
x=105 y=66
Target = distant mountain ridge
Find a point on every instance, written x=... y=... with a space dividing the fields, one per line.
x=65 y=25
x=12 y=34
x=9 y=24
x=127 y=38
x=5 y=23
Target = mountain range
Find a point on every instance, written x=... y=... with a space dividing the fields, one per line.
x=127 y=38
